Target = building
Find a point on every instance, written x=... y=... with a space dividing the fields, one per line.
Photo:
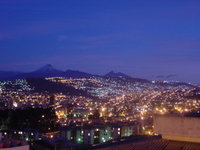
x=177 y=133
x=10 y=144
x=95 y=134
x=25 y=135
x=178 y=128
x=53 y=144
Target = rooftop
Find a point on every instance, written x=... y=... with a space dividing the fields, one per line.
x=154 y=144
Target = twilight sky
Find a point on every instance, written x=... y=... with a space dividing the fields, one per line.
x=143 y=38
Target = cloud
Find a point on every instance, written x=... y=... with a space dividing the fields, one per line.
x=101 y=37
x=182 y=45
x=38 y=29
x=171 y=76
x=62 y=38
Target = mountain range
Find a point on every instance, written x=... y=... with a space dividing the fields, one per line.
x=49 y=71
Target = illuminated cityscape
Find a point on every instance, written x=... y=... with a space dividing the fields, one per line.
x=101 y=108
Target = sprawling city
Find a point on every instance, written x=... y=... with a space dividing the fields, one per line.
x=99 y=75
x=91 y=109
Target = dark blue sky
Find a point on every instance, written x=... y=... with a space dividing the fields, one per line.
x=143 y=38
